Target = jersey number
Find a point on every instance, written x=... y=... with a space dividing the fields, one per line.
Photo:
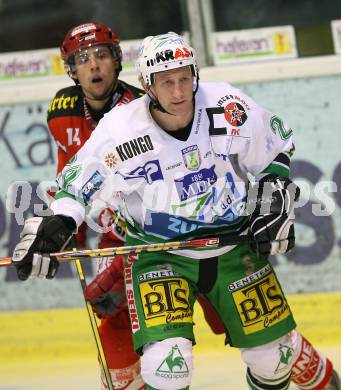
x=277 y=125
x=73 y=136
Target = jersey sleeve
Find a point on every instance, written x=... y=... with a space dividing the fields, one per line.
x=269 y=146
x=65 y=123
x=62 y=155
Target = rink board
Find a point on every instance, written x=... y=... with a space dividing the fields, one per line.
x=54 y=348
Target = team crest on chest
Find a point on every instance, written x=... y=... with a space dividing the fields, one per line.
x=192 y=158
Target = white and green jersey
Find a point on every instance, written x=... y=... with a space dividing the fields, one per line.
x=169 y=189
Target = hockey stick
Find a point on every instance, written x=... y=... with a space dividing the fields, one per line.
x=93 y=323
x=162 y=246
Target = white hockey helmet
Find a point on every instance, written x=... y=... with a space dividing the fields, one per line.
x=164 y=52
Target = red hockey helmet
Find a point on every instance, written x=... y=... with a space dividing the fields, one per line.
x=87 y=35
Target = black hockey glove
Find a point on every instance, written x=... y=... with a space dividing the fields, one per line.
x=272 y=221
x=41 y=236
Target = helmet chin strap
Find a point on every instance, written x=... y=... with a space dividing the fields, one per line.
x=156 y=104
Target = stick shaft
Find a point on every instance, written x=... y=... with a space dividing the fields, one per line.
x=163 y=246
x=94 y=328
x=159 y=247
x=5 y=261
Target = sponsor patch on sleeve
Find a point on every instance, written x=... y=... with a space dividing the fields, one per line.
x=91 y=186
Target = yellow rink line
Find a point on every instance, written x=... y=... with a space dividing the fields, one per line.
x=29 y=336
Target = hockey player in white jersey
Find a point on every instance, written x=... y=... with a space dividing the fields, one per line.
x=178 y=162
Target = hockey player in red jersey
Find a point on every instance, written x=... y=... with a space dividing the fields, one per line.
x=92 y=58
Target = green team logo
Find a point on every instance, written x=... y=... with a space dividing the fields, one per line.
x=285 y=353
x=174 y=365
x=70 y=175
x=277 y=126
x=191 y=156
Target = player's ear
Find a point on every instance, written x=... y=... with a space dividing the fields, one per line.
x=116 y=64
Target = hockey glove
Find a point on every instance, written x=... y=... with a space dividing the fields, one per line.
x=41 y=236
x=106 y=292
x=272 y=221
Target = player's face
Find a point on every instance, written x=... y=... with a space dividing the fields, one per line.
x=174 y=90
x=96 y=71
